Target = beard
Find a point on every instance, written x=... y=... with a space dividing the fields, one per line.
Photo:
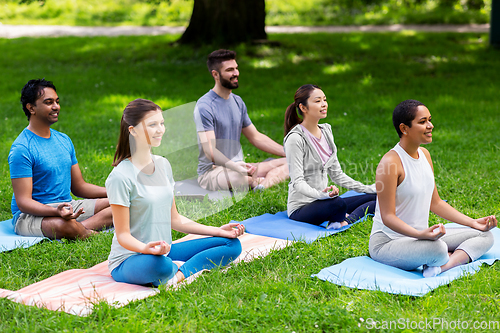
x=228 y=84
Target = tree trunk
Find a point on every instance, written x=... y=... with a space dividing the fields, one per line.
x=225 y=22
x=495 y=23
x=475 y=4
x=447 y=3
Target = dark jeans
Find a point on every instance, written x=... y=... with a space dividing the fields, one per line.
x=334 y=210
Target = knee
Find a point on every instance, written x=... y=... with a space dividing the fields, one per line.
x=68 y=229
x=162 y=268
x=371 y=207
x=340 y=204
x=488 y=239
x=102 y=205
x=237 y=180
x=438 y=254
x=234 y=247
x=281 y=171
x=285 y=171
x=166 y=269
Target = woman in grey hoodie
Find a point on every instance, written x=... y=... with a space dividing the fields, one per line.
x=311 y=154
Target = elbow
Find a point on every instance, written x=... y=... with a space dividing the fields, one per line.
x=22 y=206
x=210 y=157
x=254 y=142
x=76 y=190
x=121 y=238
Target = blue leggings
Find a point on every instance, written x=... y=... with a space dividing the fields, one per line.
x=334 y=210
x=198 y=254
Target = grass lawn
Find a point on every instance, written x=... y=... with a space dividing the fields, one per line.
x=363 y=75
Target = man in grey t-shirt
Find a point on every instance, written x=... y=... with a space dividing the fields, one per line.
x=220 y=118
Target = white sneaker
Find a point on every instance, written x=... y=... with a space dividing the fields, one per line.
x=334 y=225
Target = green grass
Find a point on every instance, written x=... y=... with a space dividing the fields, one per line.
x=279 y=12
x=363 y=75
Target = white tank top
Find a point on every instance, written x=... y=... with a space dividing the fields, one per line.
x=413 y=195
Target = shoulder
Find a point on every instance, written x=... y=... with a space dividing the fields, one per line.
x=326 y=128
x=237 y=98
x=25 y=136
x=21 y=139
x=391 y=156
x=21 y=144
x=295 y=136
x=239 y=101
x=426 y=154
x=390 y=161
x=425 y=151
x=62 y=137
x=163 y=161
x=59 y=134
x=206 y=104
x=207 y=99
x=122 y=171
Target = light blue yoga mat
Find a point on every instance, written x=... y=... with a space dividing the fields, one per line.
x=9 y=240
x=280 y=226
x=366 y=273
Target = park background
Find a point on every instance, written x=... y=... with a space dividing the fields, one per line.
x=364 y=75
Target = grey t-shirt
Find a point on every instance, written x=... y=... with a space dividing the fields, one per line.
x=226 y=118
x=149 y=198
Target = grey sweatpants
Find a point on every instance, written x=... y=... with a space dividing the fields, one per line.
x=409 y=253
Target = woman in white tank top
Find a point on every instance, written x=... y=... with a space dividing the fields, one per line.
x=401 y=236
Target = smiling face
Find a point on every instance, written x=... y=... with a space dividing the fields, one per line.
x=227 y=74
x=150 y=130
x=46 y=108
x=317 y=107
x=421 y=127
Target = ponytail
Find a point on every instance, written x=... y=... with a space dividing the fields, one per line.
x=291 y=117
x=123 y=146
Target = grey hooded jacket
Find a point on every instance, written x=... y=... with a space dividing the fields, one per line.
x=308 y=175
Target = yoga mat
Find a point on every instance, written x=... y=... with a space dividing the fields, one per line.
x=190 y=189
x=76 y=291
x=280 y=226
x=9 y=240
x=366 y=273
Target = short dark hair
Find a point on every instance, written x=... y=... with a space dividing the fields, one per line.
x=404 y=113
x=32 y=91
x=216 y=58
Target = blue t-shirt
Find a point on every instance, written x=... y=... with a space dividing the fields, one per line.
x=47 y=161
x=226 y=117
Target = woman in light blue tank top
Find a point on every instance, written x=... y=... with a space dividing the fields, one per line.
x=406 y=192
x=141 y=194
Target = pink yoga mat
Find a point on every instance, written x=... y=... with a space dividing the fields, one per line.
x=77 y=290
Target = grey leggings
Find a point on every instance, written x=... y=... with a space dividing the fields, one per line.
x=409 y=253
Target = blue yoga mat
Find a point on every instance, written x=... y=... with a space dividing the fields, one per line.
x=280 y=226
x=9 y=240
x=366 y=273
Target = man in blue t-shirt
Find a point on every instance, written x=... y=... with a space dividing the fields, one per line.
x=220 y=117
x=44 y=172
